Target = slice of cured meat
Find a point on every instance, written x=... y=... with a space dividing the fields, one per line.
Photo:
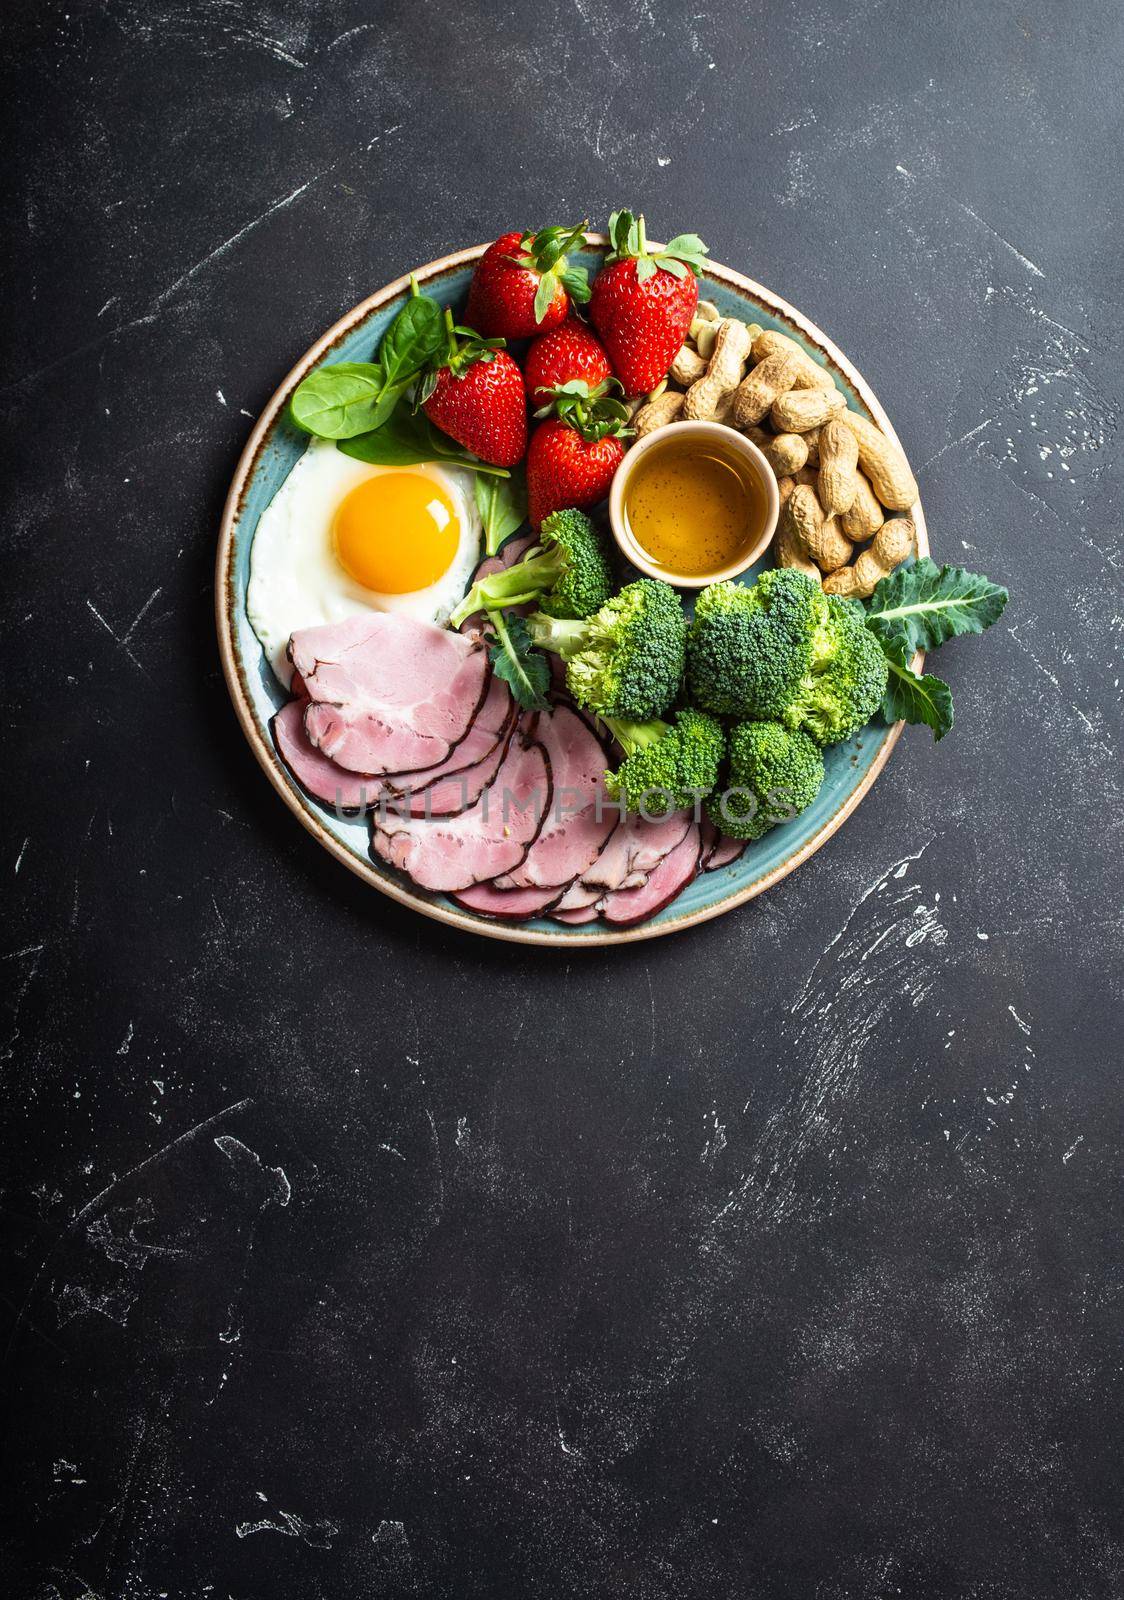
x=450 y=854
x=346 y=792
x=634 y=851
x=581 y=814
x=508 y=905
x=388 y=693
x=626 y=907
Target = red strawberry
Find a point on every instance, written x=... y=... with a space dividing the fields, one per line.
x=643 y=301
x=571 y=351
x=523 y=284
x=573 y=455
x=478 y=398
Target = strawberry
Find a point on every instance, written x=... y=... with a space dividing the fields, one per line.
x=523 y=283
x=643 y=301
x=573 y=454
x=571 y=351
x=477 y=397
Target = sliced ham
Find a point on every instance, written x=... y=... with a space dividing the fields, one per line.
x=456 y=782
x=626 y=907
x=388 y=693
x=634 y=851
x=580 y=895
x=581 y=814
x=509 y=905
x=447 y=855
x=321 y=779
x=725 y=851
x=456 y=791
x=717 y=849
x=575 y=918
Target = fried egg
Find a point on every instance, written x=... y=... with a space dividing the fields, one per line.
x=340 y=536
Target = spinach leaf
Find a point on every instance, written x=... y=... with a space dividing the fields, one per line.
x=340 y=401
x=502 y=503
x=924 y=604
x=414 y=340
x=514 y=659
x=910 y=698
x=407 y=438
x=352 y=397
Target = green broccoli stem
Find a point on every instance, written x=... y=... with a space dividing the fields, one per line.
x=527 y=581
x=634 y=736
x=562 y=637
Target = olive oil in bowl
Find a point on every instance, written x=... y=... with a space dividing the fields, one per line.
x=697 y=502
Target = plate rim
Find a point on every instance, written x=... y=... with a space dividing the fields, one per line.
x=269 y=761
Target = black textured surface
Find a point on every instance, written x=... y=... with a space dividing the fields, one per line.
x=352 y=1257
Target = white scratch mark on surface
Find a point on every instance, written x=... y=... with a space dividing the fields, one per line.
x=99 y=1199
x=23 y=852
x=349 y=33
x=873 y=964
x=141 y=613
x=1025 y=1026
x=651 y=1017
x=122 y=640
x=277 y=1188
x=963 y=439
x=385 y=134
x=318 y=1535
x=236 y=238
x=27 y=950
x=1072 y=1151
x=1006 y=243
x=1052 y=678
x=897 y=869
x=438 y=1169
x=123 y=1047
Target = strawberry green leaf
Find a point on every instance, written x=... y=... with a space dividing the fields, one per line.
x=544 y=295
x=645 y=269
x=684 y=245
x=593 y=413
x=676 y=268
x=925 y=605
x=624 y=236
x=911 y=698
x=575 y=281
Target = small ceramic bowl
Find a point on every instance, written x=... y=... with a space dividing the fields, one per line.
x=730 y=440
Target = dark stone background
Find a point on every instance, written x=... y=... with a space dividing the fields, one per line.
x=350 y=1256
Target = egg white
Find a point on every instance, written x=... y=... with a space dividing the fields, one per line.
x=296 y=580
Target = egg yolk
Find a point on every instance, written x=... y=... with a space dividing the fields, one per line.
x=396 y=532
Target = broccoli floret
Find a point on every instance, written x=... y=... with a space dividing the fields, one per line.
x=749 y=647
x=627 y=659
x=834 y=702
x=566 y=575
x=783 y=651
x=773 y=775
x=667 y=766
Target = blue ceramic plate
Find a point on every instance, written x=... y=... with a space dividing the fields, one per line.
x=272 y=451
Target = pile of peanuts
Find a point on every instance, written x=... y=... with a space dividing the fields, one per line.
x=838 y=474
